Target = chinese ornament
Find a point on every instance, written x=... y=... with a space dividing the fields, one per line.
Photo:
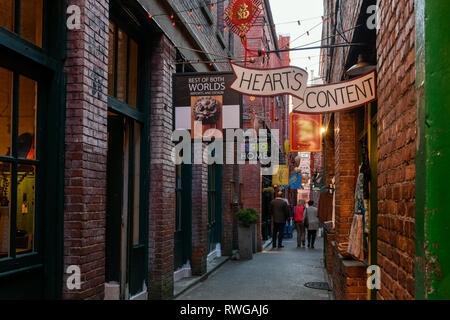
x=240 y=15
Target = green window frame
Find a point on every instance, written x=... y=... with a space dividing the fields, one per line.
x=32 y=48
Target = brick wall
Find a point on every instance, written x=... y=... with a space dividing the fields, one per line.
x=86 y=139
x=162 y=172
x=396 y=150
x=199 y=216
x=345 y=153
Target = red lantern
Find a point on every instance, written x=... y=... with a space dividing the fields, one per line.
x=240 y=15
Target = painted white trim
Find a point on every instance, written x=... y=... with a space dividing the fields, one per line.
x=215 y=253
x=142 y=295
x=183 y=272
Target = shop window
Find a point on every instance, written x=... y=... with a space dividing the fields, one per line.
x=18 y=106
x=122 y=66
x=24 y=17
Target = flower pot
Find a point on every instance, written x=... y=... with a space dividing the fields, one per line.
x=246 y=239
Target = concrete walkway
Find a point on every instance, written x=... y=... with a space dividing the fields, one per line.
x=274 y=274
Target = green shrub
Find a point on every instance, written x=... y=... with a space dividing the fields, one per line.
x=247 y=217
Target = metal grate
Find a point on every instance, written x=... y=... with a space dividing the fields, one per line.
x=318 y=285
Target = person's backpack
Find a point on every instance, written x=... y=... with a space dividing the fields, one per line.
x=299 y=213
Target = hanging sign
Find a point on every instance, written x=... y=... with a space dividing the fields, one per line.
x=339 y=96
x=270 y=82
x=203 y=101
x=305 y=132
x=281 y=178
x=240 y=15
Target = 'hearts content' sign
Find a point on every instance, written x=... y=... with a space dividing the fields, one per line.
x=270 y=82
x=320 y=99
x=338 y=96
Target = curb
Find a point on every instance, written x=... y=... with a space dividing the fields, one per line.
x=201 y=278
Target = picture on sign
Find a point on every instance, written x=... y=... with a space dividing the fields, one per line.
x=206 y=111
x=281 y=178
x=305 y=132
x=204 y=101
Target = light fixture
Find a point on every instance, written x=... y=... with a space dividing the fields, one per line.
x=360 y=68
x=323 y=130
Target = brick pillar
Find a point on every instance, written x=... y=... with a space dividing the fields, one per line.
x=86 y=144
x=345 y=155
x=252 y=181
x=199 y=215
x=162 y=173
x=227 y=209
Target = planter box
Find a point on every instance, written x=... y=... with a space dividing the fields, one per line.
x=246 y=241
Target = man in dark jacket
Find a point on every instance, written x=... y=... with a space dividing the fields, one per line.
x=280 y=214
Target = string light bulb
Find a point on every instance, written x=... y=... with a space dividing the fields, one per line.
x=150 y=16
x=190 y=12
x=212 y=6
x=199 y=27
x=171 y=17
x=173 y=23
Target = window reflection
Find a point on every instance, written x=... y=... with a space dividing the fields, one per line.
x=27 y=118
x=6 y=89
x=26 y=185
x=31 y=19
x=5 y=203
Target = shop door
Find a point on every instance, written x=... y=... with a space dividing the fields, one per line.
x=183 y=224
x=214 y=233
x=125 y=257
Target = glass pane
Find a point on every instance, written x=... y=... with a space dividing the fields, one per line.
x=122 y=66
x=137 y=182
x=26 y=186
x=31 y=21
x=27 y=118
x=6 y=80
x=133 y=76
x=5 y=203
x=111 y=57
x=7 y=14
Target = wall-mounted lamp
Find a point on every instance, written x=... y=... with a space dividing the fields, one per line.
x=360 y=68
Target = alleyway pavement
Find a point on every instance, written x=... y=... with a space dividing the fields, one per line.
x=274 y=274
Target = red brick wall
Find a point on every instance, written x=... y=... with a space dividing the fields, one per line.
x=396 y=150
x=345 y=153
x=162 y=173
x=86 y=138
x=199 y=216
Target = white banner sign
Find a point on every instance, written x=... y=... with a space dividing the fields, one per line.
x=338 y=96
x=270 y=82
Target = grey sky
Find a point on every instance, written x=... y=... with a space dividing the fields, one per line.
x=309 y=13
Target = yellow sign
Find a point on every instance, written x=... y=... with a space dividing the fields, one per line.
x=281 y=178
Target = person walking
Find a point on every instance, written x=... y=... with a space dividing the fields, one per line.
x=311 y=223
x=280 y=214
x=299 y=212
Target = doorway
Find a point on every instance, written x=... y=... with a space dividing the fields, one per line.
x=125 y=256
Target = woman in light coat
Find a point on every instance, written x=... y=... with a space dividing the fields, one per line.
x=311 y=223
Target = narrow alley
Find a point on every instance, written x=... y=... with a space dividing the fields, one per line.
x=273 y=274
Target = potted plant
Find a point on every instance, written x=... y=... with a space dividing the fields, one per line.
x=247 y=219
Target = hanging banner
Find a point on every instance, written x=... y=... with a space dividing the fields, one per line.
x=339 y=96
x=281 y=178
x=295 y=182
x=305 y=132
x=240 y=15
x=270 y=82
x=203 y=101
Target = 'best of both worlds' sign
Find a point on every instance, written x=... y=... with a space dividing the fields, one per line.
x=320 y=99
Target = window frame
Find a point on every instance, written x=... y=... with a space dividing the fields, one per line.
x=45 y=65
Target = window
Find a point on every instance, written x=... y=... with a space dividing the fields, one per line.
x=122 y=66
x=18 y=109
x=30 y=17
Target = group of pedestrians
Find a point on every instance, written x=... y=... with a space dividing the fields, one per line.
x=305 y=219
